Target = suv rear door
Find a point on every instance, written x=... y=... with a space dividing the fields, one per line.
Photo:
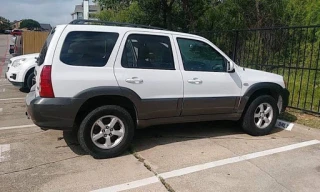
x=147 y=68
x=42 y=57
x=83 y=59
x=208 y=87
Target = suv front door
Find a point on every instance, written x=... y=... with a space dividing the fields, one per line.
x=147 y=69
x=208 y=87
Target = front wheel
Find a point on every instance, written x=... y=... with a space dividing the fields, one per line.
x=261 y=116
x=30 y=81
x=106 y=132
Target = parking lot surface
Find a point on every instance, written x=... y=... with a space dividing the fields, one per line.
x=209 y=156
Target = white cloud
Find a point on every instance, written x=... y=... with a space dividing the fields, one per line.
x=44 y=11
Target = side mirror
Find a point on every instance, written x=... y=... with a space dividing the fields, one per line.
x=230 y=67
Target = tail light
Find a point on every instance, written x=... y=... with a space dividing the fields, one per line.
x=46 y=89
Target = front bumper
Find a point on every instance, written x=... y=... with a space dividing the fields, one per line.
x=52 y=113
x=12 y=77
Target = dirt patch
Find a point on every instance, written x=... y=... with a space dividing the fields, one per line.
x=302 y=118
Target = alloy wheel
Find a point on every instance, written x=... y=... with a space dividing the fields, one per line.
x=107 y=132
x=263 y=115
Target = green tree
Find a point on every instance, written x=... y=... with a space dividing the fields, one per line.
x=4 y=24
x=208 y=15
x=303 y=12
x=29 y=24
x=130 y=14
x=170 y=14
x=115 y=5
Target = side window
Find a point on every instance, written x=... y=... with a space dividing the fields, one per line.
x=147 y=52
x=92 y=49
x=199 y=56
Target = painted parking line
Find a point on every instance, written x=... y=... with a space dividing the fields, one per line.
x=205 y=166
x=10 y=99
x=1 y=110
x=2 y=90
x=17 y=127
x=2 y=85
x=4 y=152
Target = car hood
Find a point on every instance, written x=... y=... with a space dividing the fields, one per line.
x=27 y=56
x=252 y=76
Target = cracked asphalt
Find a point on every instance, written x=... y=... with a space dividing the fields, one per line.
x=209 y=156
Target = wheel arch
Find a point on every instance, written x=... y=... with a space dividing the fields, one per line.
x=257 y=90
x=99 y=96
x=29 y=71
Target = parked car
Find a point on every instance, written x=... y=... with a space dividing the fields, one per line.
x=7 y=31
x=17 y=47
x=16 y=32
x=12 y=44
x=106 y=81
x=21 y=70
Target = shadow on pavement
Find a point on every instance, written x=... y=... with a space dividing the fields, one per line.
x=71 y=139
x=24 y=90
x=165 y=134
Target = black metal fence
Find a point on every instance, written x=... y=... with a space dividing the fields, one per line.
x=289 y=51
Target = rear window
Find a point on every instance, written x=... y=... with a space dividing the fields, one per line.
x=44 y=49
x=82 y=48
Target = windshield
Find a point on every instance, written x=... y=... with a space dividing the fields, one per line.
x=44 y=49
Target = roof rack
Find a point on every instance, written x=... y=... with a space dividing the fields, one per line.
x=107 y=23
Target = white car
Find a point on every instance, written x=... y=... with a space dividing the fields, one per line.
x=21 y=70
x=104 y=81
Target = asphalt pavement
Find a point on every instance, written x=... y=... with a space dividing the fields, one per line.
x=209 y=156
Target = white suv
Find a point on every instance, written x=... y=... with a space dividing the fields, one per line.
x=21 y=70
x=107 y=80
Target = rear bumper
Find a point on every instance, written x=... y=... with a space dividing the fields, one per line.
x=52 y=113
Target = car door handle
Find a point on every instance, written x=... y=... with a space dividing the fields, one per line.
x=195 y=81
x=134 y=80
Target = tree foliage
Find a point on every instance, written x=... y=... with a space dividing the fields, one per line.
x=29 y=24
x=4 y=24
x=199 y=15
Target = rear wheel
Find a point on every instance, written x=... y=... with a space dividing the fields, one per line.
x=106 y=131
x=261 y=116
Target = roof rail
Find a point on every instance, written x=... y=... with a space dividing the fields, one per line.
x=107 y=23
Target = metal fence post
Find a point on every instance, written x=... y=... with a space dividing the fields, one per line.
x=235 y=46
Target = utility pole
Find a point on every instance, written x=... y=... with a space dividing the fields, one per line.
x=85 y=9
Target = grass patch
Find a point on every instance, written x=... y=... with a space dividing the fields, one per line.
x=302 y=118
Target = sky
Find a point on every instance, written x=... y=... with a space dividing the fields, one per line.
x=44 y=11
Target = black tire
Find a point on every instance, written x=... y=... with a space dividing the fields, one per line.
x=248 y=123
x=85 y=130
x=29 y=81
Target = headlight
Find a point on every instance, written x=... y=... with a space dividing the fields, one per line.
x=18 y=62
